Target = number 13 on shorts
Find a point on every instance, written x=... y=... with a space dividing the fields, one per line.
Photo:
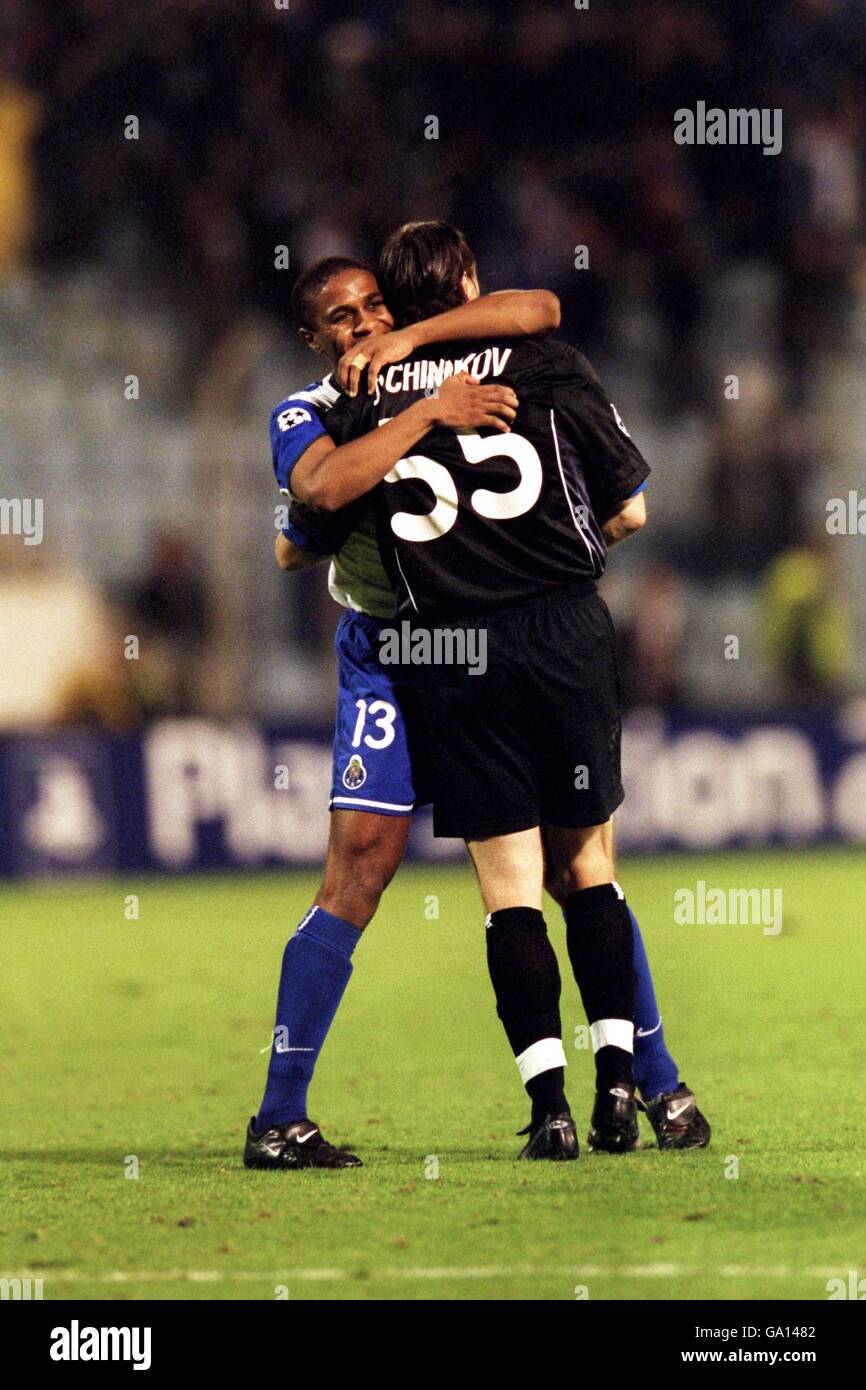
x=381 y=715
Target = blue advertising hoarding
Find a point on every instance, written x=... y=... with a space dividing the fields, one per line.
x=198 y=794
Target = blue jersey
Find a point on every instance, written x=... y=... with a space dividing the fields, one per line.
x=296 y=423
x=357 y=577
x=378 y=731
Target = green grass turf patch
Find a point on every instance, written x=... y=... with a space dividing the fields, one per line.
x=148 y=1038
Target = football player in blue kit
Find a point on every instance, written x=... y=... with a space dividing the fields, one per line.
x=376 y=753
x=378 y=767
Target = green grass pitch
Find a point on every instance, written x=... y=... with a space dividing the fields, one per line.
x=147 y=1037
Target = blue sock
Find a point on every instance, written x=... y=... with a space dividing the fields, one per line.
x=316 y=970
x=655 y=1070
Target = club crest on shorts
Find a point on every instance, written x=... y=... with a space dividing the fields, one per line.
x=355 y=774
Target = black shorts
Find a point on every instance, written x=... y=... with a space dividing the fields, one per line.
x=537 y=736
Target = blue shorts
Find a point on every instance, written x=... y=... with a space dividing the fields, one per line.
x=379 y=746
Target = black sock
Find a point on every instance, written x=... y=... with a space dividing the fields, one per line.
x=525 y=975
x=547 y=1093
x=600 y=939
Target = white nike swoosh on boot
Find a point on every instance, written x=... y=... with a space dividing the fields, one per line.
x=307 y=1136
x=674 y=1112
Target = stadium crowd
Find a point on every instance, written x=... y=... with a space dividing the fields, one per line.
x=177 y=144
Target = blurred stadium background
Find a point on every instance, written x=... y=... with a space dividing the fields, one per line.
x=145 y=335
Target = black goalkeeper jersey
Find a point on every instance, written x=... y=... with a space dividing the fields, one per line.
x=473 y=520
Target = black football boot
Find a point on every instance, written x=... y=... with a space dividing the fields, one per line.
x=677 y=1121
x=613 y=1127
x=554 y=1137
x=297 y=1145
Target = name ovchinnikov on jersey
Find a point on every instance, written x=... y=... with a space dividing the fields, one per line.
x=472 y=520
x=426 y=374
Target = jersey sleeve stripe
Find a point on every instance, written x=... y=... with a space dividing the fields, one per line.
x=577 y=524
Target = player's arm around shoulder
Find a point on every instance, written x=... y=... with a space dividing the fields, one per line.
x=503 y=314
x=329 y=477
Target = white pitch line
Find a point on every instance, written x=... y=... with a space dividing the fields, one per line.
x=444 y=1272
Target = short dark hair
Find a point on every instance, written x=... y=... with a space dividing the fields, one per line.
x=421 y=270
x=308 y=287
